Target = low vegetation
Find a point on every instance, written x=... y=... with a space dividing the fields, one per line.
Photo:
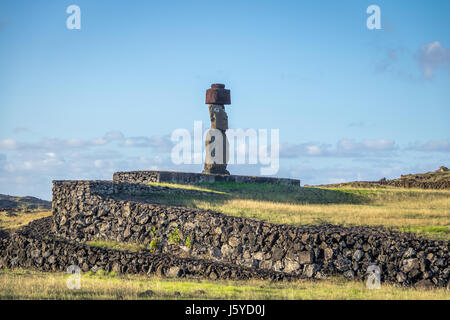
x=10 y=221
x=25 y=284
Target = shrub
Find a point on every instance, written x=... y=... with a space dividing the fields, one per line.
x=153 y=245
x=188 y=243
x=174 y=237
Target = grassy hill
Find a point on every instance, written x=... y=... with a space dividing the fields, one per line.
x=439 y=179
x=16 y=212
x=23 y=203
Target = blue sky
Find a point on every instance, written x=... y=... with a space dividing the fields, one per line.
x=350 y=103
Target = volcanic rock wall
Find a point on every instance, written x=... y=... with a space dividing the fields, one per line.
x=414 y=183
x=33 y=247
x=189 y=178
x=87 y=210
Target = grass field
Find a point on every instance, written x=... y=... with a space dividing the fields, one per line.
x=426 y=212
x=25 y=284
x=10 y=222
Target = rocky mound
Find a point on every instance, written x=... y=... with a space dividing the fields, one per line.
x=11 y=203
x=439 y=179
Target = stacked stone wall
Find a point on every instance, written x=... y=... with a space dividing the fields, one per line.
x=88 y=210
x=33 y=247
x=191 y=178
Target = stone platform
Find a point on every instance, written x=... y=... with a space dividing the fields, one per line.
x=190 y=177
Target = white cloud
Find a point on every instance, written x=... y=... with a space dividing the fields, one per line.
x=31 y=173
x=114 y=135
x=432 y=145
x=433 y=56
x=156 y=143
x=99 y=163
x=8 y=144
x=28 y=168
x=99 y=142
x=339 y=172
x=343 y=148
x=313 y=150
x=288 y=150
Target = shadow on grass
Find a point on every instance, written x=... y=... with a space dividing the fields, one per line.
x=220 y=192
x=4 y=233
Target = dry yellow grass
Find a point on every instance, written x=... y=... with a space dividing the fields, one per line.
x=19 y=219
x=416 y=210
x=23 y=284
x=394 y=214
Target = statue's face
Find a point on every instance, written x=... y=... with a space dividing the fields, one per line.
x=219 y=118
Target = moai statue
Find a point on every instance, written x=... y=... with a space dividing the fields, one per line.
x=216 y=140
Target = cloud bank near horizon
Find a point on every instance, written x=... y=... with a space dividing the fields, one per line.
x=27 y=168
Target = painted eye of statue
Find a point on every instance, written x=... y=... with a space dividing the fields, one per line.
x=216 y=109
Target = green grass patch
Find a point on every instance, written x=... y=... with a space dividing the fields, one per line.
x=184 y=187
x=223 y=191
x=441 y=232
